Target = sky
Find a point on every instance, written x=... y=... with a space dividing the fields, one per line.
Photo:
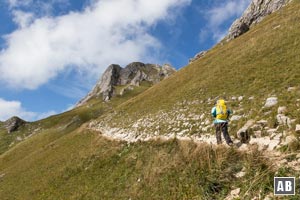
x=52 y=52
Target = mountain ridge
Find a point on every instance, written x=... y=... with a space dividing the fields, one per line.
x=132 y=75
x=74 y=156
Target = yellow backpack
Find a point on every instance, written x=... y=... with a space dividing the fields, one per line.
x=221 y=110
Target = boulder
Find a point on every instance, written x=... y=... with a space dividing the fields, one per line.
x=244 y=133
x=271 y=101
x=13 y=124
x=256 y=11
x=197 y=56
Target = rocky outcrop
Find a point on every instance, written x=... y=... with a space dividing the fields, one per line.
x=257 y=10
x=132 y=75
x=197 y=56
x=13 y=124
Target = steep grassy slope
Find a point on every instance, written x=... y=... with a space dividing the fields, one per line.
x=65 y=160
x=261 y=63
x=65 y=122
x=83 y=165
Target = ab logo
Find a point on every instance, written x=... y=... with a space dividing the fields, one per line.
x=284 y=185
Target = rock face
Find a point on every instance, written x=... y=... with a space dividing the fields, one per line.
x=197 y=56
x=132 y=75
x=13 y=124
x=257 y=10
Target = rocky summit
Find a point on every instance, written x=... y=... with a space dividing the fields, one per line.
x=13 y=124
x=256 y=12
x=132 y=75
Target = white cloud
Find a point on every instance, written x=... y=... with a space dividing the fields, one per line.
x=220 y=14
x=22 y=19
x=17 y=3
x=108 y=31
x=14 y=108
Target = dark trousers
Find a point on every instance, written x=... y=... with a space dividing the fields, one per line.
x=222 y=127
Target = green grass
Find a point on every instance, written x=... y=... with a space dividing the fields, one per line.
x=83 y=165
x=65 y=160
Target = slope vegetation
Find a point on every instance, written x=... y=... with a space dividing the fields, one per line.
x=66 y=158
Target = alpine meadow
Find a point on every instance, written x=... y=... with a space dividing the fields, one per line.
x=145 y=131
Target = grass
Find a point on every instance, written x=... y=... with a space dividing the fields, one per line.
x=65 y=160
x=83 y=165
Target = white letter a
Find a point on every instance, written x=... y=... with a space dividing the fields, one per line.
x=280 y=186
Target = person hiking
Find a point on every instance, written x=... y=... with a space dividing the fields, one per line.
x=221 y=114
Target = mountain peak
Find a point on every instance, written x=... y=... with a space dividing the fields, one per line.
x=256 y=11
x=13 y=124
x=132 y=75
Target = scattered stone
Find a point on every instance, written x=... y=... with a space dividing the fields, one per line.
x=291 y=89
x=271 y=101
x=240 y=98
x=2 y=175
x=243 y=134
x=297 y=128
x=284 y=120
x=271 y=131
x=19 y=138
x=256 y=127
x=198 y=56
x=243 y=147
x=240 y=174
x=207 y=122
x=257 y=134
x=251 y=98
x=13 y=124
x=235 y=192
x=282 y=110
x=235 y=117
x=289 y=139
x=273 y=144
x=262 y=122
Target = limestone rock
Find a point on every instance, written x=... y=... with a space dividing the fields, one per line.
x=235 y=117
x=133 y=74
x=297 y=128
x=235 y=192
x=256 y=12
x=13 y=124
x=284 y=120
x=289 y=139
x=244 y=133
x=271 y=101
x=282 y=110
x=291 y=89
x=198 y=56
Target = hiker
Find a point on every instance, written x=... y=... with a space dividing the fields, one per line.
x=221 y=114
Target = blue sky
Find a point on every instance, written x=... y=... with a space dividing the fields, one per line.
x=53 y=52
